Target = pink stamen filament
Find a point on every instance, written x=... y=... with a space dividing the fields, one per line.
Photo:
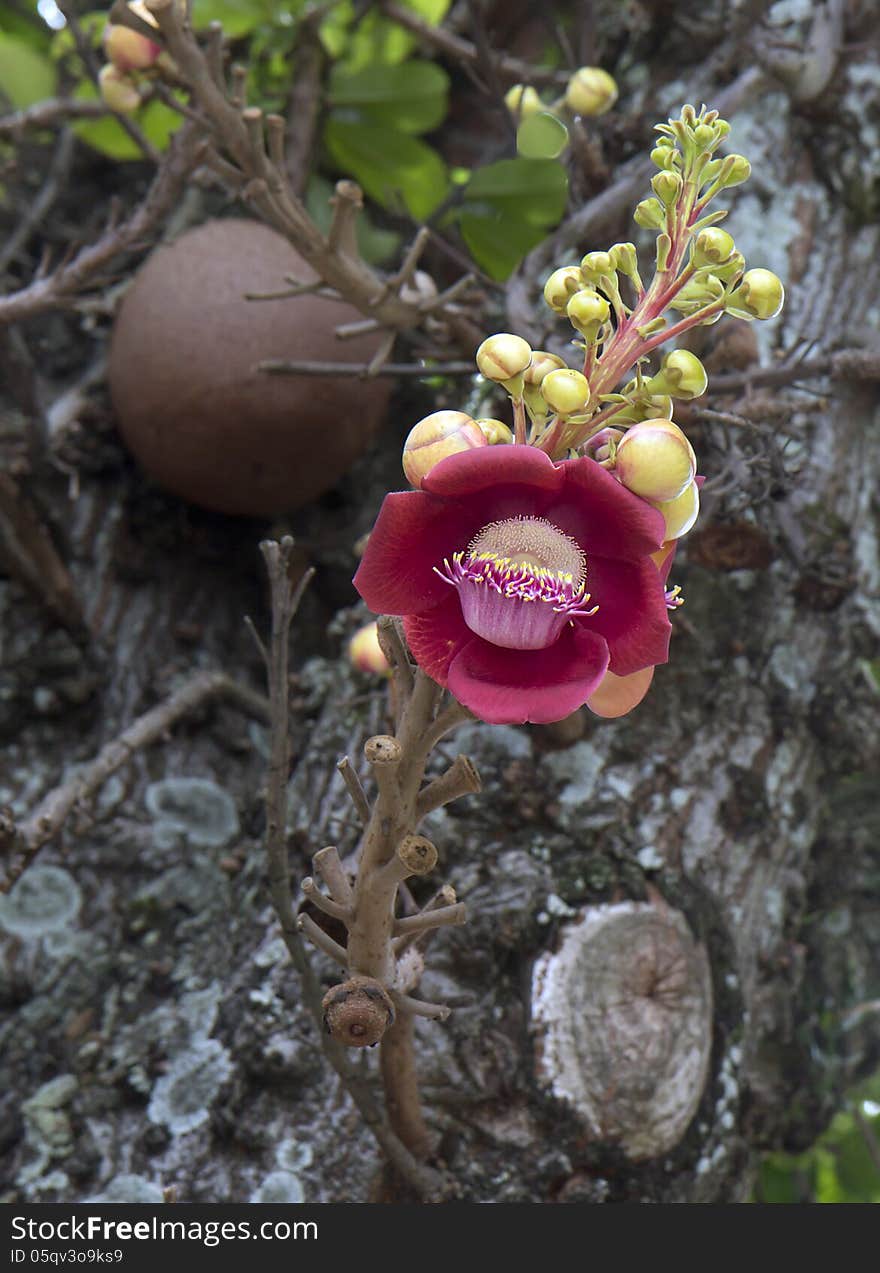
x=518 y=582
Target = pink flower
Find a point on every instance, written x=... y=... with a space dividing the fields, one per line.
x=523 y=582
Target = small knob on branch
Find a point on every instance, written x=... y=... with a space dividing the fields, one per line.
x=357 y=1012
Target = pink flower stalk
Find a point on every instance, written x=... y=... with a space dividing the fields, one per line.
x=527 y=587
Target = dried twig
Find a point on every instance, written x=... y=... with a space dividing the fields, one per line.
x=292 y=367
x=50 y=290
x=54 y=809
x=47 y=114
x=428 y=1184
x=461 y=50
x=27 y=551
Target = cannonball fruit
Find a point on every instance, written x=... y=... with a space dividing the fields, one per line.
x=189 y=401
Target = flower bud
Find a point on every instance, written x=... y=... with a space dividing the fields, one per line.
x=590 y=91
x=740 y=171
x=522 y=101
x=587 y=311
x=432 y=439
x=667 y=187
x=117 y=90
x=503 y=358
x=624 y=258
x=681 y=512
x=731 y=171
x=129 y=50
x=595 y=264
x=541 y=365
x=650 y=214
x=654 y=461
x=663 y=156
x=602 y=445
x=681 y=375
x=566 y=391
x=561 y=286
x=495 y=432
x=705 y=137
x=365 y=653
x=730 y=268
x=759 y=295
x=713 y=246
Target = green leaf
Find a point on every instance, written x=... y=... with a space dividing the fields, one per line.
x=541 y=136
x=26 y=76
x=374 y=244
x=239 y=17
x=389 y=165
x=374 y=38
x=508 y=208
x=156 y=121
x=412 y=97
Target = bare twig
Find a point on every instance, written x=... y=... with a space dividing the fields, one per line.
x=48 y=114
x=266 y=186
x=51 y=814
x=42 y=202
x=53 y=289
x=27 y=550
x=355 y=788
x=463 y=51
x=285 y=598
x=285 y=367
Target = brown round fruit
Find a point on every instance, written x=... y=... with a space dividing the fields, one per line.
x=190 y=403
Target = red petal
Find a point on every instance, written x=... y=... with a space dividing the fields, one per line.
x=632 y=615
x=493 y=466
x=603 y=516
x=412 y=535
x=436 y=636
x=618 y=695
x=510 y=687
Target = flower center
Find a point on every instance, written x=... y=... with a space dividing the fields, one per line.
x=508 y=567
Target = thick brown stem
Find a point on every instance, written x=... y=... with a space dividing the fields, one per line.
x=397 y=1060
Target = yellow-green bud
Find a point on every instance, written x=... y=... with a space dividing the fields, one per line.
x=494 y=431
x=117 y=90
x=504 y=357
x=561 y=286
x=595 y=264
x=566 y=391
x=667 y=186
x=713 y=246
x=663 y=156
x=681 y=374
x=541 y=365
x=587 y=311
x=624 y=258
x=365 y=653
x=697 y=292
x=706 y=137
x=440 y=434
x=730 y=268
x=760 y=295
x=681 y=512
x=590 y=91
x=737 y=169
x=522 y=101
x=650 y=214
x=655 y=460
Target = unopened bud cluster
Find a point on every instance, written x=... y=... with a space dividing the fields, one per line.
x=131 y=55
x=615 y=406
